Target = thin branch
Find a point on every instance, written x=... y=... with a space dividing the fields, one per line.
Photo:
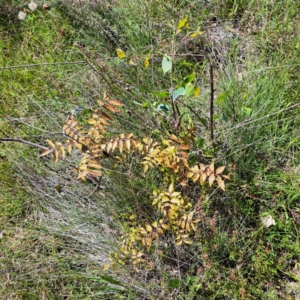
x=23 y=142
x=100 y=73
x=173 y=108
x=197 y=115
x=29 y=125
x=44 y=64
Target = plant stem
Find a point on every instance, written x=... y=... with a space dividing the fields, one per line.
x=211 y=73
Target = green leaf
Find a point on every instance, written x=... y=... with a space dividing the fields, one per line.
x=247 y=111
x=163 y=94
x=200 y=143
x=189 y=90
x=166 y=64
x=189 y=78
x=176 y=93
x=174 y=283
x=220 y=99
x=111 y=280
x=163 y=107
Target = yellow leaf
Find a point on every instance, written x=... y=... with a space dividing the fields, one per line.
x=184 y=147
x=177 y=31
x=188 y=241
x=78 y=146
x=106 y=116
x=185 y=162
x=160 y=231
x=133 y=143
x=148 y=242
x=92 y=121
x=171 y=188
x=142 y=231
x=121 y=146
x=148 y=227
x=145 y=169
x=175 y=194
x=173 y=137
x=164 y=199
x=195 y=177
x=182 y=23
x=106 y=267
x=193 y=226
x=101 y=103
x=65 y=127
x=111 y=108
x=55 y=155
x=172 y=214
x=202 y=178
x=187 y=227
x=105 y=95
x=46 y=152
x=132 y=62
x=183 y=183
x=179 y=243
x=108 y=147
x=147 y=62
x=212 y=167
x=182 y=224
x=82 y=175
x=115 y=102
x=114 y=145
x=211 y=179
x=120 y=53
x=175 y=201
x=165 y=226
x=196 y=91
x=190 y=174
x=226 y=177
x=69 y=149
x=220 y=170
x=129 y=135
x=221 y=183
x=50 y=144
x=103 y=121
x=154 y=235
x=183 y=235
x=127 y=144
x=194 y=34
x=154 y=224
x=94 y=166
x=62 y=151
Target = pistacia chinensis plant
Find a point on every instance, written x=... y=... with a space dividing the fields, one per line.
x=174 y=210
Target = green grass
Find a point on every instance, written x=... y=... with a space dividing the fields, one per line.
x=57 y=232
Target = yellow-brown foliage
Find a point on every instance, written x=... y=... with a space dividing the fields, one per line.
x=176 y=213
